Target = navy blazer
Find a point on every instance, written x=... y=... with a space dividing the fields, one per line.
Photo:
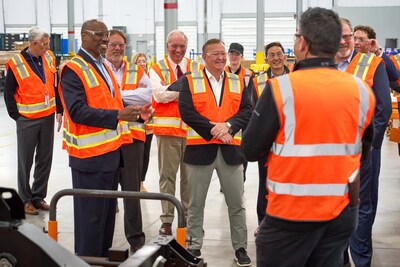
x=74 y=96
x=206 y=154
x=383 y=108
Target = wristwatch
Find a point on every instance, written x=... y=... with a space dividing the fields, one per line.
x=229 y=125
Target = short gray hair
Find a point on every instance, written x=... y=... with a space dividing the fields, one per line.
x=176 y=32
x=37 y=33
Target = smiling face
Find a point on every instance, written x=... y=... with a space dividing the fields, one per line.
x=142 y=62
x=95 y=38
x=176 y=47
x=361 y=41
x=116 y=48
x=346 y=43
x=215 y=58
x=276 y=59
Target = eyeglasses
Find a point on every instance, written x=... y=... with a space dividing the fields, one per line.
x=99 y=33
x=114 y=45
x=272 y=55
x=216 y=54
x=347 y=37
x=360 y=39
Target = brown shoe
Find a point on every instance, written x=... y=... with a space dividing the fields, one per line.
x=41 y=205
x=30 y=209
x=165 y=229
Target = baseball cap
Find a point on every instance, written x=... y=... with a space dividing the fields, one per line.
x=236 y=47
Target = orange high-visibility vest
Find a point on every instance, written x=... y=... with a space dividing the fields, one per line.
x=204 y=102
x=130 y=80
x=364 y=66
x=244 y=74
x=260 y=82
x=396 y=61
x=167 y=120
x=34 y=98
x=84 y=141
x=316 y=153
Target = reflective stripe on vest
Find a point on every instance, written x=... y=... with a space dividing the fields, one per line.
x=261 y=83
x=234 y=83
x=310 y=189
x=87 y=72
x=167 y=122
x=247 y=75
x=21 y=68
x=363 y=64
x=97 y=138
x=138 y=126
x=49 y=59
x=33 y=108
x=131 y=74
x=164 y=70
x=290 y=149
x=199 y=82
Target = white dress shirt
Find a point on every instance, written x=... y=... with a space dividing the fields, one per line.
x=160 y=93
x=139 y=96
x=217 y=86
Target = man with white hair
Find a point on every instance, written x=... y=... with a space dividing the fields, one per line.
x=31 y=97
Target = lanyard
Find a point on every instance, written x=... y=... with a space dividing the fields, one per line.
x=41 y=72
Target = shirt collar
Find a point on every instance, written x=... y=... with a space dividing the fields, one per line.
x=173 y=64
x=92 y=57
x=210 y=76
x=111 y=66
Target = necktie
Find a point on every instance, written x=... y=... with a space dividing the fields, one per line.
x=179 y=72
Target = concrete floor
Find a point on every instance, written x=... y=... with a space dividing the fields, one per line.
x=217 y=249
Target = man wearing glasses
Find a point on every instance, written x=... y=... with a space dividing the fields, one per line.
x=95 y=128
x=32 y=98
x=135 y=89
x=216 y=107
x=352 y=61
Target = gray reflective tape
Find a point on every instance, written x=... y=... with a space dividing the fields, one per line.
x=131 y=74
x=21 y=68
x=165 y=70
x=198 y=82
x=136 y=125
x=363 y=65
x=86 y=69
x=290 y=149
x=49 y=59
x=33 y=108
x=167 y=122
x=307 y=189
x=234 y=81
x=261 y=82
x=247 y=77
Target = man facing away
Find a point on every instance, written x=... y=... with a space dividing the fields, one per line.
x=95 y=128
x=135 y=89
x=354 y=62
x=31 y=97
x=313 y=153
x=216 y=107
x=168 y=126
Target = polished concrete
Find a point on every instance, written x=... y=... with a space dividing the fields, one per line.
x=217 y=249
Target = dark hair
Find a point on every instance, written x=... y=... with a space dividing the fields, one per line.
x=211 y=42
x=268 y=46
x=367 y=29
x=322 y=30
x=120 y=33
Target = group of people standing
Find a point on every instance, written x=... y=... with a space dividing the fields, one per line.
x=215 y=117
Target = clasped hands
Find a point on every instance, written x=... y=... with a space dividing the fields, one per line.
x=133 y=112
x=220 y=132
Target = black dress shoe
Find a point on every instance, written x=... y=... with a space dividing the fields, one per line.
x=195 y=252
x=165 y=229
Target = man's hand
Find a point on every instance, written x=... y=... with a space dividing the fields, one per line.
x=142 y=85
x=147 y=112
x=59 y=121
x=219 y=129
x=226 y=138
x=129 y=113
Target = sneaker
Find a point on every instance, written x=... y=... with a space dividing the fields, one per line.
x=195 y=252
x=241 y=257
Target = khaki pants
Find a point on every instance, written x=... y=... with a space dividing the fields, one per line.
x=170 y=157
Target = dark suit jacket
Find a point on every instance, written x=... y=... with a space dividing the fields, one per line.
x=383 y=108
x=75 y=101
x=206 y=154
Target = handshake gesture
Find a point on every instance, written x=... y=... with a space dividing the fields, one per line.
x=134 y=112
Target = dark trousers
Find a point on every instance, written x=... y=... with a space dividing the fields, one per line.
x=94 y=218
x=130 y=181
x=262 y=190
x=34 y=134
x=320 y=246
x=361 y=241
x=146 y=156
